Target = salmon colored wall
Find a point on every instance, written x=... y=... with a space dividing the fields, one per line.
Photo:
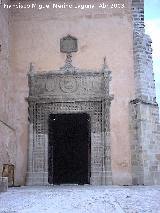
x=35 y=37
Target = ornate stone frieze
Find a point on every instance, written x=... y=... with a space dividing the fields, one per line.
x=58 y=84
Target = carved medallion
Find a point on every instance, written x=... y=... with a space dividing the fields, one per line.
x=68 y=84
x=50 y=85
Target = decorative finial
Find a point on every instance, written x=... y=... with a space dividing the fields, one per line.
x=105 y=60
x=105 y=69
x=31 y=67
x=105 y=63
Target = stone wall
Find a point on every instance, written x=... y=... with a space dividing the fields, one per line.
x=35 y=37
x=7 y=130
x=145 y=126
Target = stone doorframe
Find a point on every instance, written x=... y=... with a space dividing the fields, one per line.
x=69 y=91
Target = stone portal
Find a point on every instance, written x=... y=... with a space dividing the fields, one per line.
x=76 y=99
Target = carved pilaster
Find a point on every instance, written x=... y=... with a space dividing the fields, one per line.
x=30 y=142
x=107 y=172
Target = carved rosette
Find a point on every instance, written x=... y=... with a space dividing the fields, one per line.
x=68 y=84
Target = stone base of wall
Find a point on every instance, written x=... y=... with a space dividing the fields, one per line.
x=37 y=178
x=3 y=184
x=41 y=178
x=145 y=143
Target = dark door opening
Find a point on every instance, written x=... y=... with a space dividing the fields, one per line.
x=69 y=149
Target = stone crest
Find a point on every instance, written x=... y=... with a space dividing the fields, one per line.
x=68 y=44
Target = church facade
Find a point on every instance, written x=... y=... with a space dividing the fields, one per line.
x=78 y=102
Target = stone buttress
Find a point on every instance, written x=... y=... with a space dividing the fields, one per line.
x=145 y=126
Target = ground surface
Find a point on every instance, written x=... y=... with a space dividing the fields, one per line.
x=80 y=199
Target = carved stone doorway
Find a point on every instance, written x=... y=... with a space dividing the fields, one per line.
x=69 y=148
x=69 y=90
